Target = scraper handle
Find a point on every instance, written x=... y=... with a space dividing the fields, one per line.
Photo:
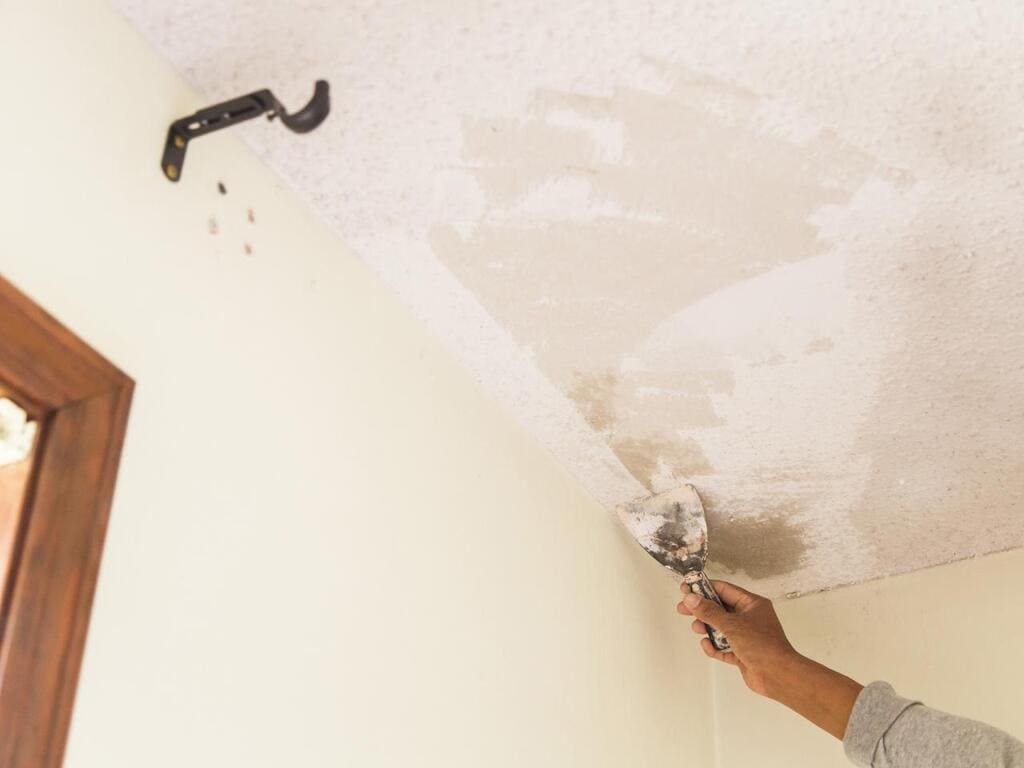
x=703 y=587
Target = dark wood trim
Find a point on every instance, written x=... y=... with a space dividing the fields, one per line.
x=82 y=404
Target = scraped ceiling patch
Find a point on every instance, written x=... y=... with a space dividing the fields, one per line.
x=773 y=250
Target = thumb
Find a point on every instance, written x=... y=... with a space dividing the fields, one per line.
x=707 y=611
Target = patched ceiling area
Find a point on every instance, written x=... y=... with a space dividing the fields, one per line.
x=772 y=249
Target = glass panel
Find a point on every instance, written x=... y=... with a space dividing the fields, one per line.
x=17 y=439
x=17 y=433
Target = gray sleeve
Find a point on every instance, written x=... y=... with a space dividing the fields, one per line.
x=888 y=731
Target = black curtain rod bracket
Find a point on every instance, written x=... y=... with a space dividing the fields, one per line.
x=228 y=113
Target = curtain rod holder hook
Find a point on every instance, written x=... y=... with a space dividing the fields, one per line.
x=234 y=111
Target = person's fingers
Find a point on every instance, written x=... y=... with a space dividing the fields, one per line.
x=733 y=596
x=699 y=627
x=710 y=651
x=681 y=608
x=708 y=611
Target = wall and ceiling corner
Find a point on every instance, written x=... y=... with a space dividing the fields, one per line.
x=771 y=249
x=317 y=504
x=576 y=658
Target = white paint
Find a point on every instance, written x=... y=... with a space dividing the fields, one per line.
x=559 y=199
x=539 y=182
x=607 y=135
x=17 y=433
x=328 y=547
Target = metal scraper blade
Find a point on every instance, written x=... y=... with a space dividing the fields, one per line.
x=672 y=528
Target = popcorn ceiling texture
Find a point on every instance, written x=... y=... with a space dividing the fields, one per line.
x=773 y=249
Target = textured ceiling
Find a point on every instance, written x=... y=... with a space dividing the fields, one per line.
x=773 y=249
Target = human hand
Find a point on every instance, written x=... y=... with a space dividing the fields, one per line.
x=760 y=647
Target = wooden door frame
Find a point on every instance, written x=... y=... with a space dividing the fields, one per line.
x=81 y=403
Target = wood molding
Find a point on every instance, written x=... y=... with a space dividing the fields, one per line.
x=81 y=402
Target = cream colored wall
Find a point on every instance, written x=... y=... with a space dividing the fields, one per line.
x=327 y=547
x=949 y=636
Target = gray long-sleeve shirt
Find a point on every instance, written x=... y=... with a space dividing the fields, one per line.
x=888 y=731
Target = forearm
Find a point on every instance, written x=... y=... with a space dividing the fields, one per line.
x=889 y=731
x=814 y=691
x=877 y=727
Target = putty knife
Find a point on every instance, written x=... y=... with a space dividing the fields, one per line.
x=672 y=528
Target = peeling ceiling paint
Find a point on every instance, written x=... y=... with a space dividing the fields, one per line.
x=772 y=249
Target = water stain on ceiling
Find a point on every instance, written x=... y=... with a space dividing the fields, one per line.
x=775 y=250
